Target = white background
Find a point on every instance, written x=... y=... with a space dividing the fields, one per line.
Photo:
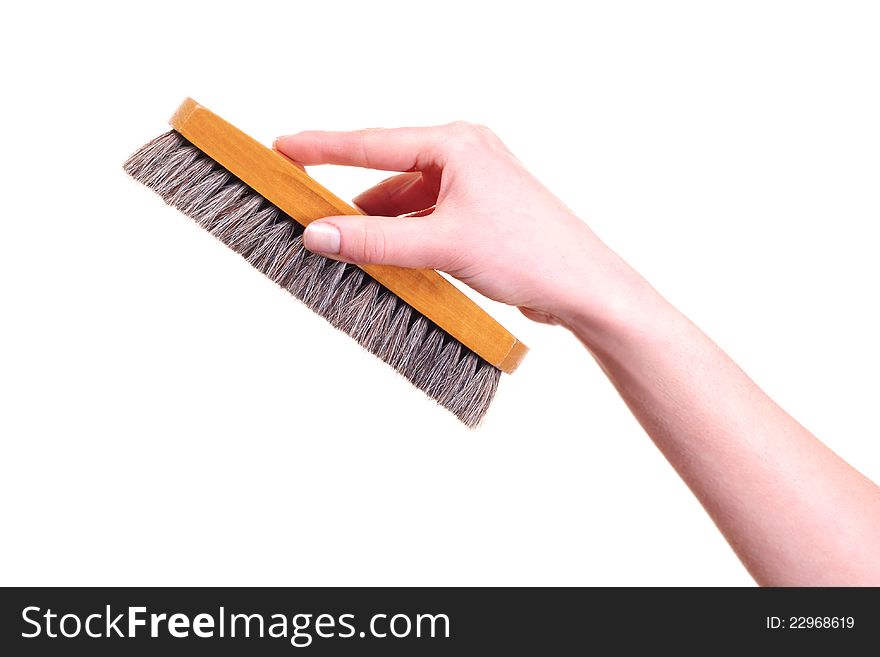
x=170 y=417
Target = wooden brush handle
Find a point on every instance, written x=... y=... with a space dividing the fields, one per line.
x=293 y=191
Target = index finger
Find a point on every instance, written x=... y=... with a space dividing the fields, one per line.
x=390 y=149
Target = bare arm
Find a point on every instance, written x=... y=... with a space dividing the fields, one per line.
x=794 y=512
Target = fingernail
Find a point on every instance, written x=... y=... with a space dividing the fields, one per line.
x=322 y=238
x=280 y=141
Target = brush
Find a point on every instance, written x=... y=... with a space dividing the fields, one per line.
x=257 y=202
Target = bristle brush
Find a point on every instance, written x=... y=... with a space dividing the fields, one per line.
x=257 y=202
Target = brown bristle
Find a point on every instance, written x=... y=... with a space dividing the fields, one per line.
x=343 y=294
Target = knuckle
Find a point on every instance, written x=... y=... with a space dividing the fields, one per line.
x=484 y=131
x=470 y=135
x=366 y=136
x=373 y=243
x=445 y=246
x=460 y=126
x=463 y=129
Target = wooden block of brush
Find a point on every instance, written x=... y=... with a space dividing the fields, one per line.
x=294 y=192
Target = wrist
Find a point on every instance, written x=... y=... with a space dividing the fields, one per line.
x=619 y=309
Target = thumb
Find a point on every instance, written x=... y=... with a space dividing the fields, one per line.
x=402 y=241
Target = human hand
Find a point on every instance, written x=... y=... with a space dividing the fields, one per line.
x=473 y=210
x=487 y=221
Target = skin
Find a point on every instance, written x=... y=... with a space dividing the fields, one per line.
x=794 y=512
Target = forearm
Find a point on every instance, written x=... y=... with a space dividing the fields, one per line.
x=795 y=513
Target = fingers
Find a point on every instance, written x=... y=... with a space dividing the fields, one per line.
x=395 y=149
x=401 y=194
x=538 y=316
x=402 y=241
x=298 y=165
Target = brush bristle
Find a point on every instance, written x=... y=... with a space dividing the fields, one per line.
x=343 y=294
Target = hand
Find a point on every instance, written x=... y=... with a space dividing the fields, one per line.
x=474 y=211
x=792 y=509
